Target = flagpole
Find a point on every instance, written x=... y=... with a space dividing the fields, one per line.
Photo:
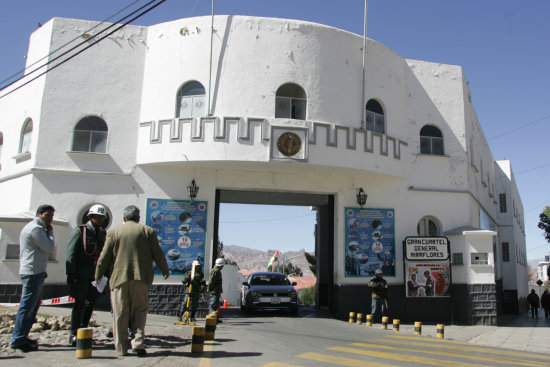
x=210 y=70
x=364 y=63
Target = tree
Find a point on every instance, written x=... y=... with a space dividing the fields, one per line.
x=312 y=260
x=544 y=223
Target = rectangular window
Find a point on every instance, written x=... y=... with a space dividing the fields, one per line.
x=480 y=258
x=505 y=252
x=12 y=253
x=502 y=200
x=458 y=258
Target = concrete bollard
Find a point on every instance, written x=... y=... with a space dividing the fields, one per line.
x=210 y=328
x=369 y=320
x=84 y=337
x=197 y=340
x=440 y=331
x=417 y=328
x=384 y=325
x=351 y=317
x=359 y=318
x=396 y=325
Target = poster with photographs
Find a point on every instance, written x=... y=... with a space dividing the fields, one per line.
x=181 y=231
x=428 y=279
x=369 y=242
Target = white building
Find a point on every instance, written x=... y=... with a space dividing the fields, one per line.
x=278 y=114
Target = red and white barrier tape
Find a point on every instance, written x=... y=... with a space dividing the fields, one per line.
x=45 y=302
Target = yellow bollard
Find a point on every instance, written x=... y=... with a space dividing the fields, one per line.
x=197 y=341
x=440 y=331
x=384 y=325
x=351 y=317
x=396 y=325
x=84 y=338
x=369 y=320
x=417 y=328
x=359 y=318
x=210 y=328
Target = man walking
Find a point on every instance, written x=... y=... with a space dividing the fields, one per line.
x=534 y=302
x=130 y=249
x=83 y=249
x=215 y=285
x=379 y=294
x=36 y=243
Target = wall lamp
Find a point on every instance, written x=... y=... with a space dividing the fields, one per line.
x=193 y=190
x=361 y=197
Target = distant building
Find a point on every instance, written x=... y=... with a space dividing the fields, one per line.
x=278 y=115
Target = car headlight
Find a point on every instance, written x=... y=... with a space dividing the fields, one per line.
x=254 y=294
x=293 y=295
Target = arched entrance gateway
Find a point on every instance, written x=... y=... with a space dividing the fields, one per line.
x=324 y=229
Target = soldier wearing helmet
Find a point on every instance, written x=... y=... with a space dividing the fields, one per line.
x=83 y=250
x=215 y=284
x=194 y=283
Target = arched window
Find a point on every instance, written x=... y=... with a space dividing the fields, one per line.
x=374 y=117
x=431 y=140
x=191 y=100
x=290 y=102
x=90 y=135
x=428 y=226
x=26 y=134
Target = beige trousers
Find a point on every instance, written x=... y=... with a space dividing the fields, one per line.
x=130 y=306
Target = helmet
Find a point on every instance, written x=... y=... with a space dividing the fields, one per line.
x=378 y=271
x=98 y=209
x=220 y=262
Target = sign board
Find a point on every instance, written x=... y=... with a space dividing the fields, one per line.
x=426 y=248
x=370 y=242
x=181 y=231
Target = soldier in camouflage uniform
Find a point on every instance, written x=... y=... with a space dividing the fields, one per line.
x=194 y=288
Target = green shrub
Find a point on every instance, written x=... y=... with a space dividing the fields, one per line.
x=307 y=296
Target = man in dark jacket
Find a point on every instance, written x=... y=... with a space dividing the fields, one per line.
x=83 y=250
x=194 y=282
x=379 y=295
x=545 y=303
x=534 y=301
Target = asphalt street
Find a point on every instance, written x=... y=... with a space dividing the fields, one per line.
x=309 y=339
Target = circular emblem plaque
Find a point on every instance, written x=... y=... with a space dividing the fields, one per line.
x=289 y=144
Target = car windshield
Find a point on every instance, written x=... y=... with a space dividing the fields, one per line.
x=269 y=279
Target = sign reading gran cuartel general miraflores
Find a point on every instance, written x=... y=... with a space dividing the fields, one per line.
x=426 y=248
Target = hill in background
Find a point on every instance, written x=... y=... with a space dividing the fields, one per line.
x=257 y=260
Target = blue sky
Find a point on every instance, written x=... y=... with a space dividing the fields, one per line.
x=503 y=47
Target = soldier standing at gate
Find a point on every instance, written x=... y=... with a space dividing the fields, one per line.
x=83 y=250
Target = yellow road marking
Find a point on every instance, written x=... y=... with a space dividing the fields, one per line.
x=492 y=350
x=279 y=364
x=427 y=339
x=404 y=358
x=476 y=357
x=341 y=361
x=207 y=353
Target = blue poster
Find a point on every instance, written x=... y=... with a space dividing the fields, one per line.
x=370 y=242
x=181 y=230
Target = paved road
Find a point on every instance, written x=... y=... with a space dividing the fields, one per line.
x=311 y=339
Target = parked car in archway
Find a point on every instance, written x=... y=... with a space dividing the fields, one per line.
x=269 y=291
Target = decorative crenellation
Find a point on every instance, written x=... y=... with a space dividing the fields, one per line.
x=244 y=125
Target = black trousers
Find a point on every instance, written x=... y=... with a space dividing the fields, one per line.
x=85 y=296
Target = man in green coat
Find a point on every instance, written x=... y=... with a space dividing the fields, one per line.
x=130 y=250
x=83 y=250
x=215 y=284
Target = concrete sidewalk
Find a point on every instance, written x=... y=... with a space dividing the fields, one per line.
x=167 y=342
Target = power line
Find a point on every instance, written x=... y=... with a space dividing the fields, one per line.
x=85 y=48
x=61 y=47
x=269 y=220
x=519 y=127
